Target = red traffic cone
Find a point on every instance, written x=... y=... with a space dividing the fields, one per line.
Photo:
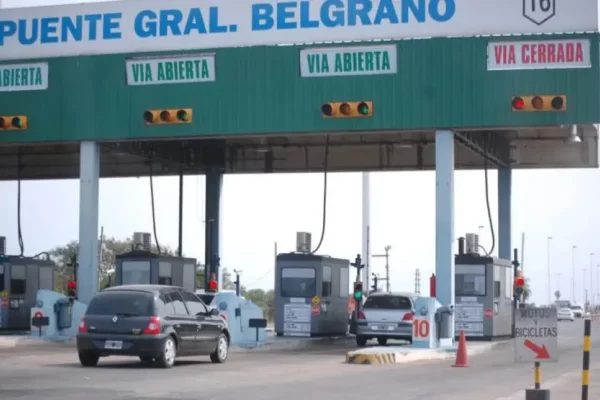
x=462 y=360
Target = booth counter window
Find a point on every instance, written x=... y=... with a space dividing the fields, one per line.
x=135 y=272
x=470 y=280
x=326 y=282
x=18 y=278
x=298 y=282
x=164 y=273
x=344 y=282
x=2 y=287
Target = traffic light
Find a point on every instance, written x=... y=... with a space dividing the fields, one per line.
x=13 y=123
x=347 y=109
x=556 y=103
x=213 y=286
x=519 y=285
x=168 y=117
x=358 y=291
x=374 y=287
x=72 y=289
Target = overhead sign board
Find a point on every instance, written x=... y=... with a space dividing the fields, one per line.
x=167 y=70
x=539 y=54
x=154 y=25
x=23 y=77
x=345 y=61
x=536 y=335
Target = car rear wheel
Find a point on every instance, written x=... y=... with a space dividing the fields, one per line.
x=361 y=341
x=219 y=356
x=382 y=341
x=168 y=354
x=88 y=358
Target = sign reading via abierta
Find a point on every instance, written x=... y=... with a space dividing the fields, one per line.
x=536 y=335
x=22 y=77
x=163 y=70
x=119 y=27
x=539 y=54
x=340 y=61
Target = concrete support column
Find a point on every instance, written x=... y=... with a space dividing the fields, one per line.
x=444 y=216
x=212 y=238
x=89 y=182
x=504 y=213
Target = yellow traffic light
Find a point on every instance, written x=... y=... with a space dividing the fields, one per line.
x=168 y=116
x=556 y=103
x=347 y=109
x=13 y=123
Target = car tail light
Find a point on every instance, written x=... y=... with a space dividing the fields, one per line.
x=82 y=326
x=361 y=315
x=223 y=317
x=153 y=327
x=408 y=317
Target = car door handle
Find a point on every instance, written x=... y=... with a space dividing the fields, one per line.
x=177 y=326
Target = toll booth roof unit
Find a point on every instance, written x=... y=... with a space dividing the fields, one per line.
x=473 y=259
x=304 y=257
x=18 y=260
x=143 y=254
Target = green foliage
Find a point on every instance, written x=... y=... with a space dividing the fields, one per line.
x=263 y=299
x=526 y=290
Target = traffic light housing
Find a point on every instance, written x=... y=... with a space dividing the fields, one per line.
x=374 y=287
x=358 y=291
x=213 y=285
x=519 y=285
x=13 y=122
x=168 y=116
x=72 y=289
x=347 y=109
x=553 y=103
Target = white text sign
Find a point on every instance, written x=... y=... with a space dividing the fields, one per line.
x=536 y=335
x=340 y=61
x=22 y=77
x=164 y=70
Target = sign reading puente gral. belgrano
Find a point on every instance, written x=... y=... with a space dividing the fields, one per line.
x=344 y=61
x=177 y=69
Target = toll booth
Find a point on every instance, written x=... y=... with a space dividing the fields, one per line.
x=139 y=267
x=311 y=295
x=20 y=280
x=483 y=293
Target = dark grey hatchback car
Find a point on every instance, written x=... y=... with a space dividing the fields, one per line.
x=153 y=322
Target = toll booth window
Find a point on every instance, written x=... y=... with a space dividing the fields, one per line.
x=135 y=272
x=126 y=303
x=164 y=273
x=344 y=282
x=326 y=282
x=388 y=303
x=2 y=288
x=298 y=282
x=508 y=279
x=17 y=280
x=470 y=280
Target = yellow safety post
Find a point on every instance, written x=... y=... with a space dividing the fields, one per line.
x=537 y=375
x=587 y=346
x=537 y=393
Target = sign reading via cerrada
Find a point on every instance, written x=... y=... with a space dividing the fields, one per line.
x=339 y=61
x=539 y=54
x=536 y=335
x=21 y=77
x=162 y=70
x=153 y=25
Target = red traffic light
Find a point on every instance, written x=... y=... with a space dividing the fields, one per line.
x=71 y=285
x=213 y=285
x=520 y=281
x=518 y=103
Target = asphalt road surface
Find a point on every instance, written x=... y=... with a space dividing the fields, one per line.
x=296 y=375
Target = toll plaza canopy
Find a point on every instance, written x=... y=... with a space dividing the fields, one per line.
x=271 y=86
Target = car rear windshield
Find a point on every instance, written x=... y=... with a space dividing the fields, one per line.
x=122 y=303
x=388 y=303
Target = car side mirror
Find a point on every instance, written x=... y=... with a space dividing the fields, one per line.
x=213 y=311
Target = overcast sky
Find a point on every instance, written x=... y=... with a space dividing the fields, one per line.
x=262 y=209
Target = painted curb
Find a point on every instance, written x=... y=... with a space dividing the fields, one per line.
x=370 y=359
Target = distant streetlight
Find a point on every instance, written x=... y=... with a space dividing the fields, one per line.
x=387 y=265
x=549 y=273
x=591 y=278
x=573 y=249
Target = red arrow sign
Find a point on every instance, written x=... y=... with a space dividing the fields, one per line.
x=542 y=352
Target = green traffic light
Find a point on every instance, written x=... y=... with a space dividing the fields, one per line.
x=358 y=295
x=182 y=115
x=363 y=109
x=17 y=122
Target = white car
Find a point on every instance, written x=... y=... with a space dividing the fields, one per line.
x=565 y=314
